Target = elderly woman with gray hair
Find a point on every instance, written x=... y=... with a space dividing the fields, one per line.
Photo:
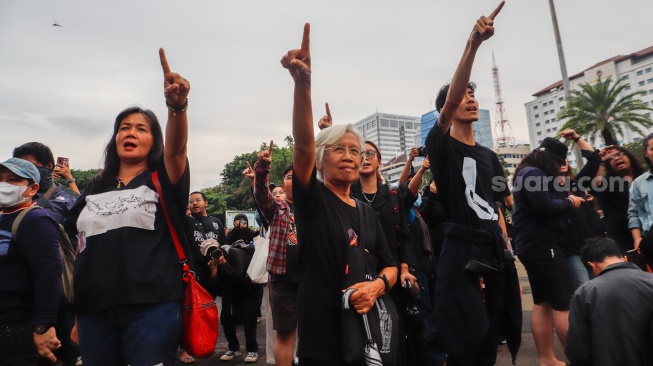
x=324 y=169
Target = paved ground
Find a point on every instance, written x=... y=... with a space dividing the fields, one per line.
x=527 y=355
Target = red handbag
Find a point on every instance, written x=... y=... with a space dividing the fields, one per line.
x=200 y=313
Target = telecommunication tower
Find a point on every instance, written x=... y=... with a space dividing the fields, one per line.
x=502 y=128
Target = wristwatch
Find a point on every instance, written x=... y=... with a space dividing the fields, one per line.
x=41 y=328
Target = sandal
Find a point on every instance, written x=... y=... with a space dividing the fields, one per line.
x=186 y=359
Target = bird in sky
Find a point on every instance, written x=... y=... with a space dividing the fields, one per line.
x=56 y=24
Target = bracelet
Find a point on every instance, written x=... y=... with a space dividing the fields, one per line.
x=70 y=181
x=182 y=108
x=576 y=139
x=385 y=281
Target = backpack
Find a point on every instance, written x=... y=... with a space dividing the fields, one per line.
x=66 y=250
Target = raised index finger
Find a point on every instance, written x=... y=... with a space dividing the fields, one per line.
x=306 y=39
x=497 y=10
x=328 y=110
x=164 y=61
x=270 y=148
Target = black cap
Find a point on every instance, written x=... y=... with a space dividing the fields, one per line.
x=241 y=217
x=554 y=148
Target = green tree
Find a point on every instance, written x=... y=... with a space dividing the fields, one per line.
x=82 y=177
x=234 y=192
x=638 y=149
x=604 y=108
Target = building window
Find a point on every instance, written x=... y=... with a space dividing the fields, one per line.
x=547 y=121
x=650 y=91
x=550 y=102
x=648 y=114
x=562 y=107
x=625 y=77
x=552 y=111
x=641 y=83
x=554 y=129
x=640 y=72
x=539 y=142
x=649 y=80
x=537 y=116
x=534 y=107
x=649 y=69
x=627 y=87
x=546 y=113
x=537 y=124
x=561 y=99
x=539 y=133
x=544 y=104
x=548 y=130
x=553 y=119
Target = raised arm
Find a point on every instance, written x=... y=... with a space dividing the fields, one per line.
x=176 y=90
x=326 y=121
x=483 y=30
x=414 y=184
x=262 y=196
x=405 y=172
x=298 y=63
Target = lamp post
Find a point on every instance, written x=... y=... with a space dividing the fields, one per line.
x=565 y=76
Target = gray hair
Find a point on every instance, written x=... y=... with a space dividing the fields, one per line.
x=331 y=136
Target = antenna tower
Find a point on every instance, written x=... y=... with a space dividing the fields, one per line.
x=502 y=128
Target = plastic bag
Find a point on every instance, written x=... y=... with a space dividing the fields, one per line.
x=257 y=270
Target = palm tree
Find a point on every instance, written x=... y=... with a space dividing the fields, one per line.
x=599 y=108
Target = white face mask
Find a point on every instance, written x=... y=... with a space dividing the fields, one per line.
x=11 y=195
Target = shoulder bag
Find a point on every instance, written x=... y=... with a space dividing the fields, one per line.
x=200 y=313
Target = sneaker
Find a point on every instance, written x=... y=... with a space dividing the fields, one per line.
x=79 y=361
x=251 y=357
x=229 y=355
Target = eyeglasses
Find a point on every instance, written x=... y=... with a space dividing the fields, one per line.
x=370 y=153
x=339 y=150
x=617 y=155
x=191 y=201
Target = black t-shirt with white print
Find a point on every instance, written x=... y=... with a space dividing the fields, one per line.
x=126 y=253
x=469 y=178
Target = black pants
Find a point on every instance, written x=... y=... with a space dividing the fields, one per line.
x=17 y=345
x=249 y=306
x=494 y=303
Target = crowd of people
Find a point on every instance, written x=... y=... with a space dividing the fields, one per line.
x=440 y=284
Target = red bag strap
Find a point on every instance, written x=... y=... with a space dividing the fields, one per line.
x=171 y=226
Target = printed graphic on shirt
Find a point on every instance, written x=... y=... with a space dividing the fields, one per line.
x=200 y=236
x=292 y=231
x=112 y=210
x=483 y=209
x=5 y=240
x=386 y=325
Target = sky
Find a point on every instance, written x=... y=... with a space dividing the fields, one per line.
x=63 y=86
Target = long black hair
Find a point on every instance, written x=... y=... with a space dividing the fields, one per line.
x=541 y=160
x=635 y=163
x=111 y=160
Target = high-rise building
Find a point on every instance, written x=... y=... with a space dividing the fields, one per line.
x=392 y=133
x=482 y=128
x=511 y=156
x=636 y=69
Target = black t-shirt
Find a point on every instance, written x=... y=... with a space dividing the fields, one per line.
x=246 y=235
x=198 y=229
x=615 y=209
x=322 y=224
x=469 y=178
x=126 y=253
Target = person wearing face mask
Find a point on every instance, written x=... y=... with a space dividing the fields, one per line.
x=30 y=270
x=58 y=200
x=54 y=197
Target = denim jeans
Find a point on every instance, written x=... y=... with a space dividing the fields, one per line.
x=578 y=271
x=135 y=335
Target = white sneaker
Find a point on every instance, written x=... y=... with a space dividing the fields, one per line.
x=229 y=355
x=251 y=357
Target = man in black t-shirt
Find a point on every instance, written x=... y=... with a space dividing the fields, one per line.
x=201 y=227
x=470 y=180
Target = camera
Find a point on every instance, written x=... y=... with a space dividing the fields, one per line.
x=210 y=248
x=421 y=151
x=214 y=253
